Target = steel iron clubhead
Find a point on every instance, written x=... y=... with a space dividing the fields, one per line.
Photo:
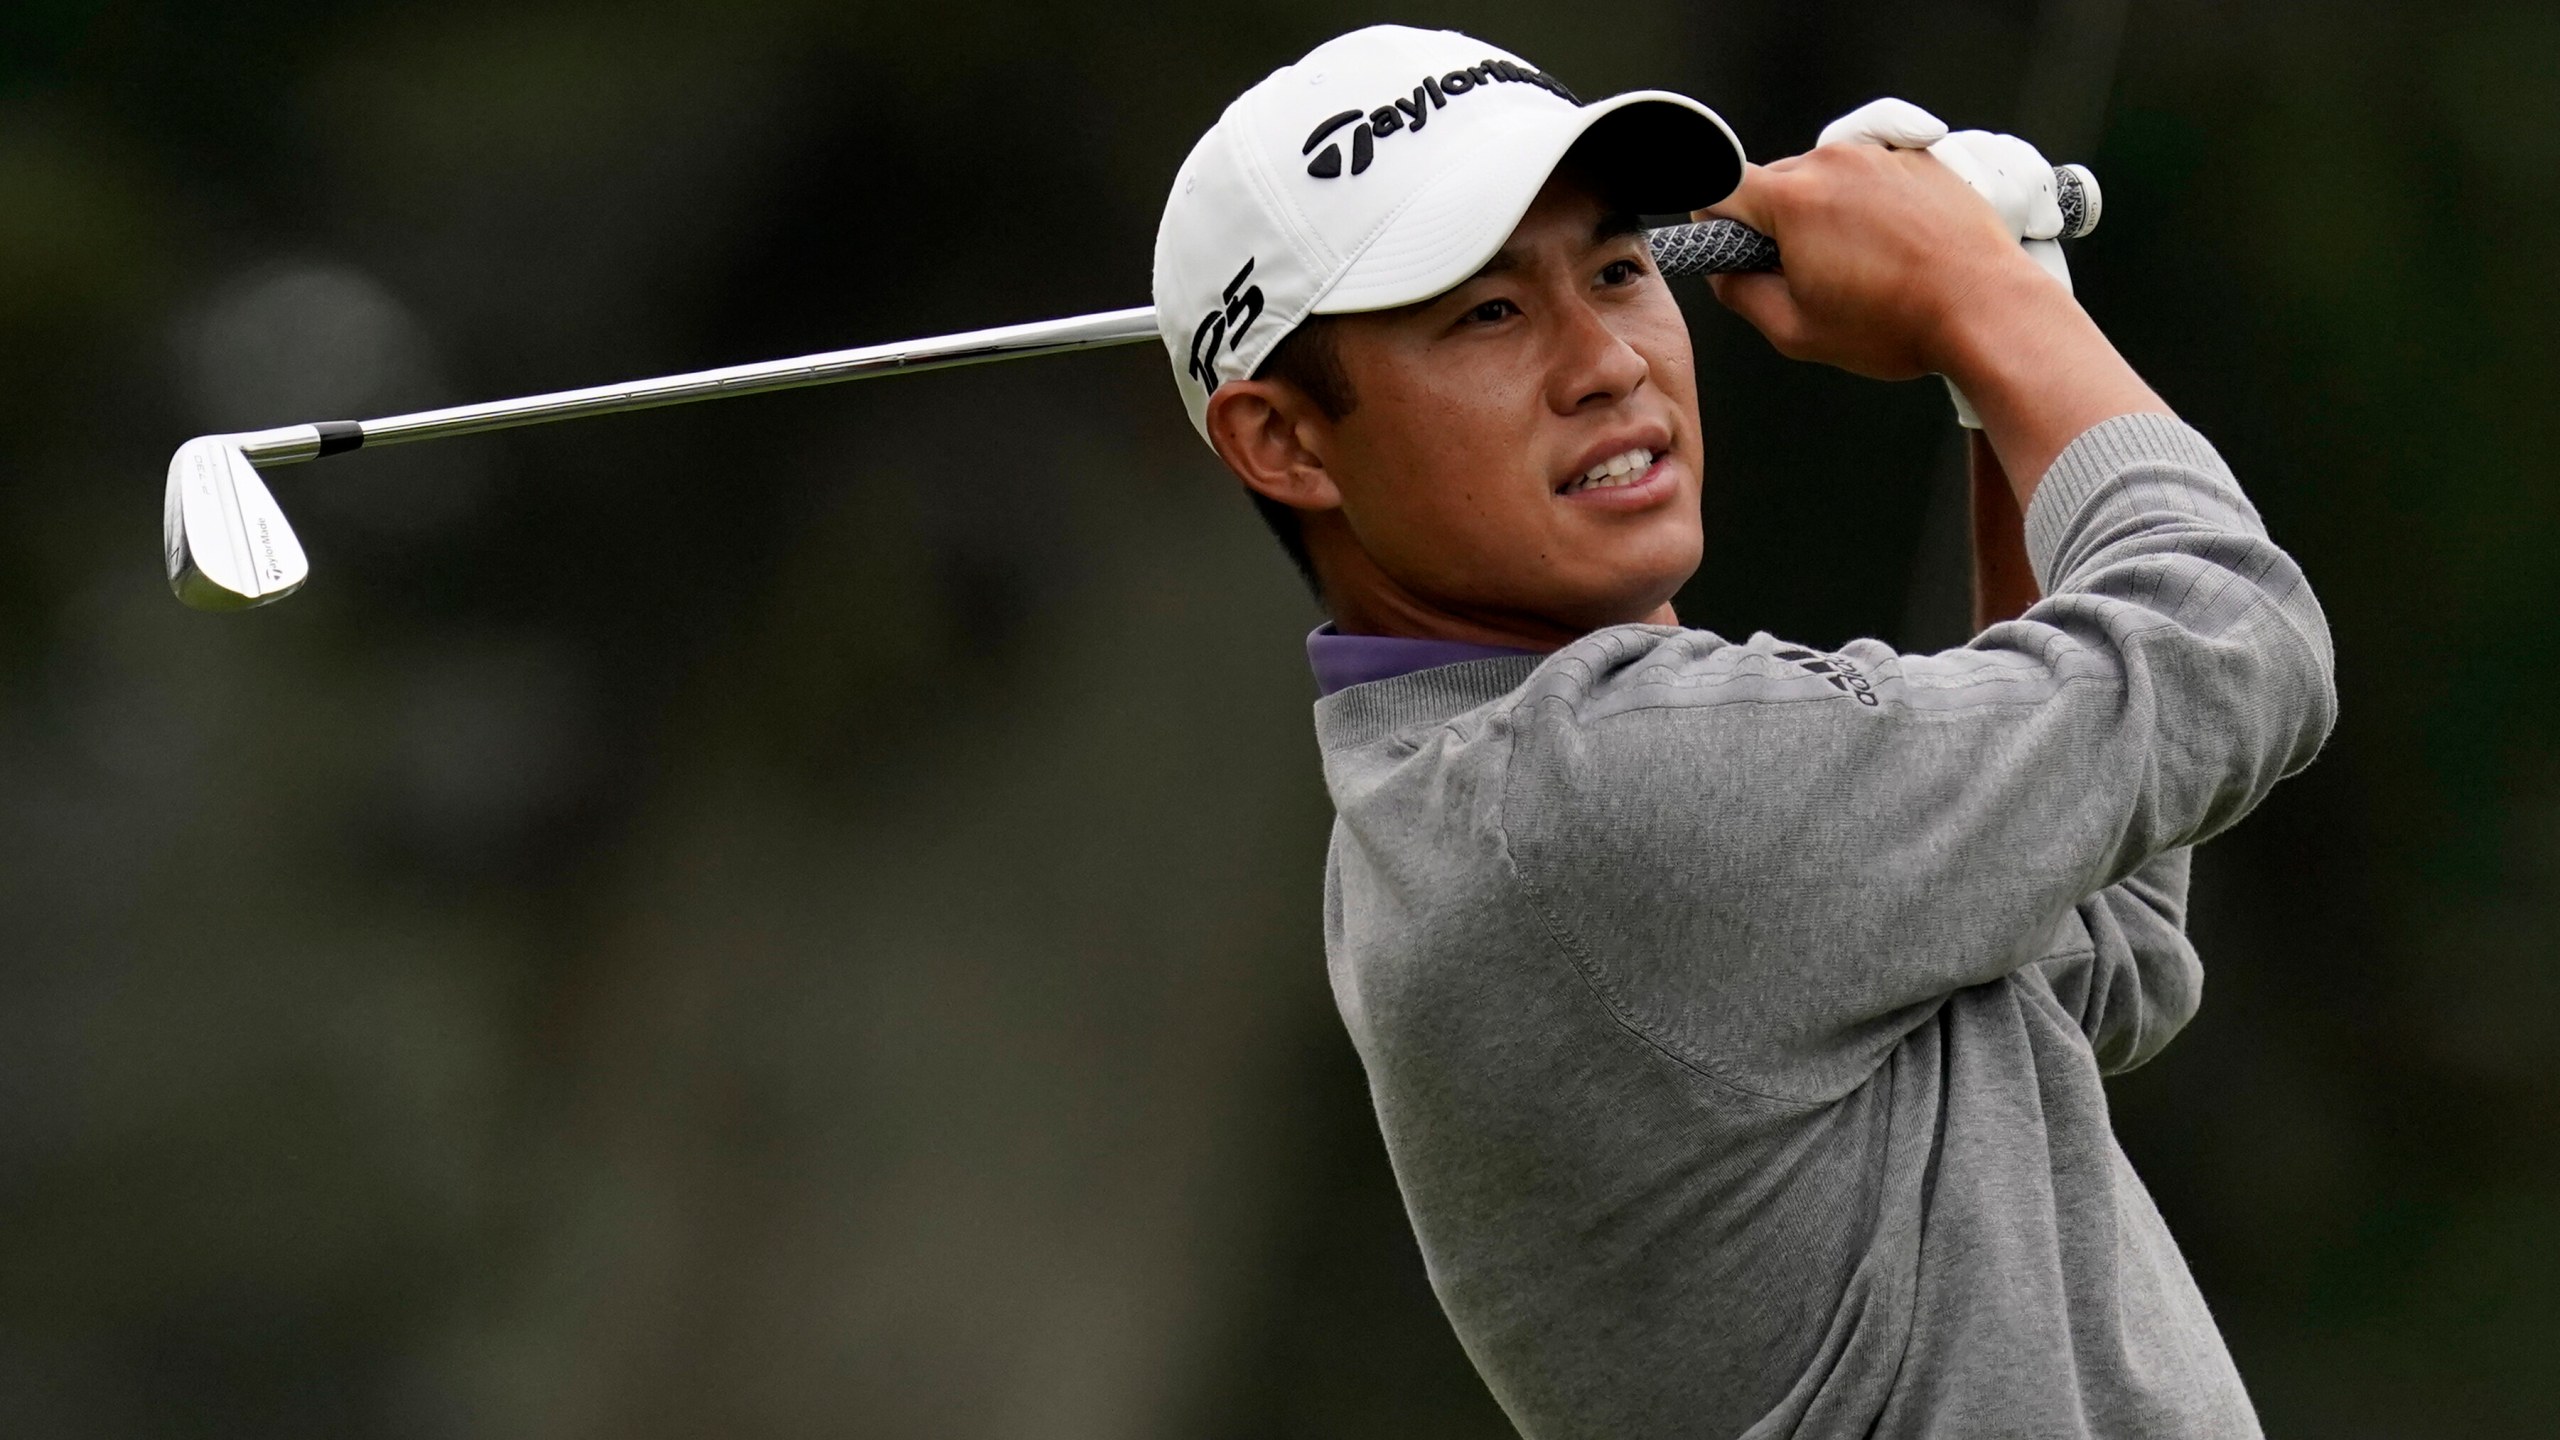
x=226 y=542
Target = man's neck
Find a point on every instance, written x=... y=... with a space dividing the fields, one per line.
x=1390 y=610
x=1365 y=600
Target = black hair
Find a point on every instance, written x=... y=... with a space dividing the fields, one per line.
x=1309 y=361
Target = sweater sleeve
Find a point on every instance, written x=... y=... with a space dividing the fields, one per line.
x=2126 y=970
x=1773 y=862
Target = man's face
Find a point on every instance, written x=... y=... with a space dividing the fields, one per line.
x=1464 y=466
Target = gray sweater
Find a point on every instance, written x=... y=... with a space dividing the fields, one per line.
x=1735 y=1015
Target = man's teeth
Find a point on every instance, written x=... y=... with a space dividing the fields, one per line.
x=1616 y=471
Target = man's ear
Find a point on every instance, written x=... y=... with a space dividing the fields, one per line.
x=1273 y=438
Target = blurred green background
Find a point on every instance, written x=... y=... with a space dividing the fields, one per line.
x=798 y=917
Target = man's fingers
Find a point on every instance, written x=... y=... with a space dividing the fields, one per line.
x=1762 y=297
x=1749 y=202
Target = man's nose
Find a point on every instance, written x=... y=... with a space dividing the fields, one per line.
x=1594 y=365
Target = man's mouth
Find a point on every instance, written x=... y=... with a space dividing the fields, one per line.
x=1618 y=470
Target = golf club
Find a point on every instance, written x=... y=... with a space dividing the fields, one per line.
x=228 y=547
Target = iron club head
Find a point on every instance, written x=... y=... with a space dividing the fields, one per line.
x=227 y=544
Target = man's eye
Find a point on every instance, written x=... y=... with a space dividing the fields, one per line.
x=1491 y=312
x=1621 y=272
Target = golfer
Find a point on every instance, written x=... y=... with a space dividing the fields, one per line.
x=1736 y=1013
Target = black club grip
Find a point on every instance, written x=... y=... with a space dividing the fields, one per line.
x=1719 y=247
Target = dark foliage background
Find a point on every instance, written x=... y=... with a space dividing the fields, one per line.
x=797 y=917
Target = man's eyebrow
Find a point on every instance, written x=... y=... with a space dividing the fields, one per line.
x=1614 y=225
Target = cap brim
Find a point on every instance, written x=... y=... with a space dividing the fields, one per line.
x=1651 y=151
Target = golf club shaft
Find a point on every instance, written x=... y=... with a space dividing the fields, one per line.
x=1004 y=342
x=1711 y=247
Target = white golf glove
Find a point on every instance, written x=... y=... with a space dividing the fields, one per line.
x=2003 y=169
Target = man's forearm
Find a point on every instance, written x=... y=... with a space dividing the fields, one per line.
x=2004 y=582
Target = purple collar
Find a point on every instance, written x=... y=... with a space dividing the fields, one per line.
x=1342 y=661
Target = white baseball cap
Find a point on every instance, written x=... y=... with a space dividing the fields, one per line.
x=1384 y=168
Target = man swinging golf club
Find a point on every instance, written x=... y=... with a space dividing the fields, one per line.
x=1735 y=1013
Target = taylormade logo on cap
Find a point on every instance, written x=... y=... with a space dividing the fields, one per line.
x=1383 y=168
x=1432 y=94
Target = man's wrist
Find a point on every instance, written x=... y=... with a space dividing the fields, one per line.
x=2011 y=312
x=2036 y=368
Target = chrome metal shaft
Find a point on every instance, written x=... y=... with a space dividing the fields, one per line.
x=1708 y=247
x=1004 y=342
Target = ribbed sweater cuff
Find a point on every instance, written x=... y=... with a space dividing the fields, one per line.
x=2096 y=462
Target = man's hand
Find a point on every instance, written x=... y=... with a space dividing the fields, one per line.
x=2003 y=169
x=1882 y=249
x=1895 y=269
